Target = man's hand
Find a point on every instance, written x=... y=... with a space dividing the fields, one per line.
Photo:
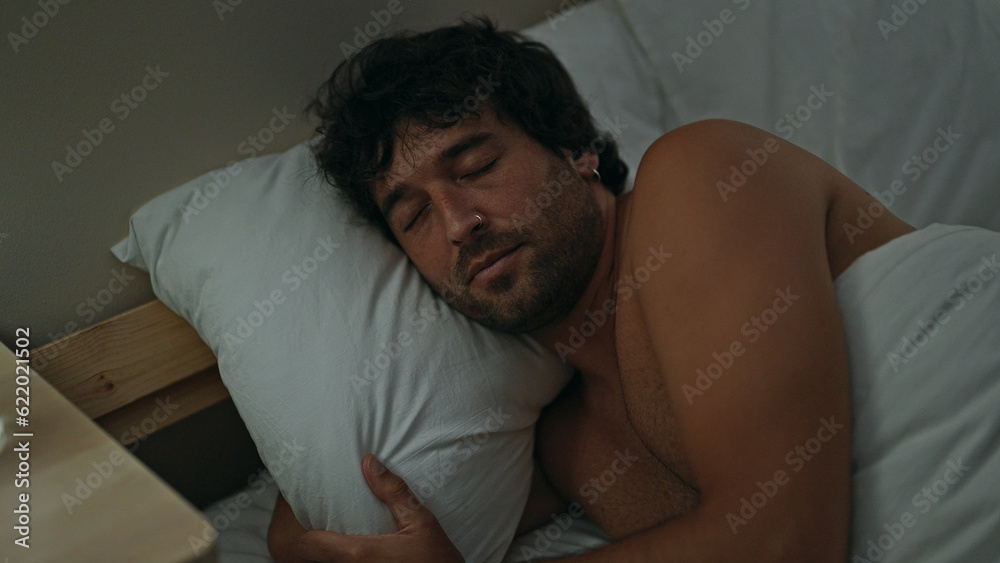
x=419 y=538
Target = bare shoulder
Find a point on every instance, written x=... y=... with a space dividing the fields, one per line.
x=743 y=215
x=720 y=160
x=722 y=186
x=724 y=182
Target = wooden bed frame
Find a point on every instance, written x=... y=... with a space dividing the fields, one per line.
x=116 y=371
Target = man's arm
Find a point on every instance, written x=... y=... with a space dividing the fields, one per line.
x=768 y=438
x=284 y=533
x=767 y=428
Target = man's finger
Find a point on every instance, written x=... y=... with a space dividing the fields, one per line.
x=394 y=492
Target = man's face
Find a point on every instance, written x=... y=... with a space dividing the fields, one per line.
x=542 y=230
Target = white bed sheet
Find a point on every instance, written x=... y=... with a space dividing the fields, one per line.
x=855 y=83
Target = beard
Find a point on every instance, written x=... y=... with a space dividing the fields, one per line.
x=560 y=248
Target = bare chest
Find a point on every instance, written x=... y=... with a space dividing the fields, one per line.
x=650 y=411
x=615 y=449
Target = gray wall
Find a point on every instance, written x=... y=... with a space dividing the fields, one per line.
x=220 y=77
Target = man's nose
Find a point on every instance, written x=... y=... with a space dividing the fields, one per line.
x=462 y=220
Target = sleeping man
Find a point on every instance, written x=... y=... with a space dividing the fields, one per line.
x=700 y=308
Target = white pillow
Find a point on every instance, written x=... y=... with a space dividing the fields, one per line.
x=332 y=346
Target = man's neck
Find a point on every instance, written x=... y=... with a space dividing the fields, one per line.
x=586 y=337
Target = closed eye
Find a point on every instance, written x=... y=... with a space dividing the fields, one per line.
x=416 y=217
x=475 y=173
x=482 y=170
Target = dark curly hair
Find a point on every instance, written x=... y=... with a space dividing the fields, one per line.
x=430 y=80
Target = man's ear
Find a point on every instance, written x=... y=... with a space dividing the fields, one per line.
x=585 y=164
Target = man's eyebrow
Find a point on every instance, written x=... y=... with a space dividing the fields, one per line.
x=470 y=142
x=397 y=191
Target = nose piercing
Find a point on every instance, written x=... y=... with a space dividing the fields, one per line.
x=480 y=223
x=596 y=173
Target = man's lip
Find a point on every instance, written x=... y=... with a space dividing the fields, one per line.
x=489 y=260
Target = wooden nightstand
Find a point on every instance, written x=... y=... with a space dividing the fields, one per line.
x=90 y=499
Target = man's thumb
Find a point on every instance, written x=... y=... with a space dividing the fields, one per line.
x=392 y=490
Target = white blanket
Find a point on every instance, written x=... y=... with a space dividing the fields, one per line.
x=921 y=317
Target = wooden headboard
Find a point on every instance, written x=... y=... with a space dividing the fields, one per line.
x=117 y=370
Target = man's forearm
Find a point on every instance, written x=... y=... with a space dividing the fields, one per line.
x=677 y=540
x=283 y=534
x=705 y=536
